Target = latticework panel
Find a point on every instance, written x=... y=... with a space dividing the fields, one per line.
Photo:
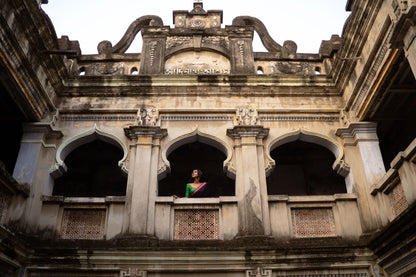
x=398 y=200
x=315 y=222
x=4 y=204
x=194 y=224
x=83 y=224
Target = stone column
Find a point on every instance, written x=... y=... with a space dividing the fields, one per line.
x=251 y=189
x=241 y=45
x=142 y=181
x=32 y=168
x=362 y=153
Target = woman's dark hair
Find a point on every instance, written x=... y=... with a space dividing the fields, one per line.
x=199 y=175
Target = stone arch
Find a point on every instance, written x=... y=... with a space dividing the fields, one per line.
x=194 y=136
x=59 y=168
x=339 y=164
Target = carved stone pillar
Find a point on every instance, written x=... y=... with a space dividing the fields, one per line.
x=367 y=168
x=142 y=180
x=153 y=51
x=241 y=45
x=32 y=167
x=251 y=190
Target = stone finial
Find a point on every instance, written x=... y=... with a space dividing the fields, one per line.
x=246 y=116
x=147 y=116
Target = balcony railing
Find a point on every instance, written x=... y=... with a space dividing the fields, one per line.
x=396 y=191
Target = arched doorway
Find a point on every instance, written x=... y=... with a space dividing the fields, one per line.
x=304 y=168
x=196 y=155
x=93 y=171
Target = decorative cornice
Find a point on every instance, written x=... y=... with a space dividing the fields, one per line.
x=134 y=132
x=43 y=127
x=359 y=131
x=239 y=131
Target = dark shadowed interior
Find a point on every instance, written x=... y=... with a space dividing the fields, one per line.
x=93 y=171
x=304 y=168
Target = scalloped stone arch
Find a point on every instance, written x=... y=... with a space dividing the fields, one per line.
x=59 y=168
x=194 y=136
x=339 y=164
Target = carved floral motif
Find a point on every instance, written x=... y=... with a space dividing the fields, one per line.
x=148 y=116
x=246 y=116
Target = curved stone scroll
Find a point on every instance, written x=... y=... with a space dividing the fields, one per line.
x=105 y=46
x=259 y=27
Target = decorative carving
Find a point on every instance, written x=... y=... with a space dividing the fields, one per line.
x=152 y=45
x=372 y=72
x=289 y=49
x=177 y=41
x=217 y=40
x=83 y=224
x=293 y=68
x=196 y=118
x=216 y=21
x=196 y=224
x=105 y=47
x=259 y=272
x=179 y=22
x=300 y=118
x=313 y=222
x=107 y=69
x=261 y=30
x=240 y=44
x=148 y=116
x=246 y=116
x=97 y=118
x=133 y=272
x=197 y=23
x=398 y=199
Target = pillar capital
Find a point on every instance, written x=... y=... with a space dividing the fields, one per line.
x=240 y=131
x=359 y=131
x=135 y=132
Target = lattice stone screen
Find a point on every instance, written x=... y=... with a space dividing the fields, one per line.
x=83 y=224
x=4 y=204
x=398 y=200
x=313 y=222
x=196 y=224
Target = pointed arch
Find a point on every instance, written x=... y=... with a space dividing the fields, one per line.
x=195 y=136
x=339 y=164
x=59 y=168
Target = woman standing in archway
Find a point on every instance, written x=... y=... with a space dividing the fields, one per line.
x=197 y=188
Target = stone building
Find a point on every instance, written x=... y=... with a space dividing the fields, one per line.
x=310 y=158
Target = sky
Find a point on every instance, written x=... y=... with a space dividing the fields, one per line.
x=307 y=22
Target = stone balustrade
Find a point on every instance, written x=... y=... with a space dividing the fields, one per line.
x=396 y=191
x=91 y=218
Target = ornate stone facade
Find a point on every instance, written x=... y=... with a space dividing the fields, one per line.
x=309 y=159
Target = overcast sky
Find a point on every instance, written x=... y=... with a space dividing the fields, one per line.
x=307 y=22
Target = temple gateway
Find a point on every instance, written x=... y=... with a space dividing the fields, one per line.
x=308 y=160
